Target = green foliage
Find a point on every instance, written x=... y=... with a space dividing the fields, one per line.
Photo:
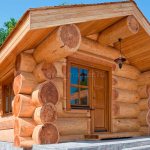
x=8 y=27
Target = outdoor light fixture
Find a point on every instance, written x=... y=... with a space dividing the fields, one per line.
x=120 y=61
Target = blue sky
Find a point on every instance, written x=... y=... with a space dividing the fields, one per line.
x=16 y=8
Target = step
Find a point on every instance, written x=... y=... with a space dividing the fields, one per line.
x=147 y=147
x=100 y=145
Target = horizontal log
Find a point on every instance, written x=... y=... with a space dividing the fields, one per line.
x=25 y=62
x=24 y=142
x=144 y=91
x=73 y=126
x=61 y=43
x=24 y=83
x=144 y=130
x=127 y=71
x=7 y=135
x=142 y=118
x=124 y=83
x=148 y=118
x=144 y=78
x=45 y=92
x=91 y=46
x=124 y=28
x=45 y=114
x=125 y=125
x=125 y=110
x=24 y=127
x=23 y=106
x=143 y=104
x=7 y=123
x=62 y=113
x=125 y=96
x=45 y=134
x=71 y=138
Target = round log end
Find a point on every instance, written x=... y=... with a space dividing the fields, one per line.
x=133 y=24
x=46 y=134
x=17 y=84
x=70 y=36
x=16 y=105
x=48 y=113
x=49 y=70
x=48 y=93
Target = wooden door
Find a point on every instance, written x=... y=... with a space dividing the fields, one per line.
x=100 y=109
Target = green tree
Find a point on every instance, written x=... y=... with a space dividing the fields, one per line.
x=8 y=27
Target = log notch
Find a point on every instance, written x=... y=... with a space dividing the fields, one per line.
x=25 y=62
x=45 y=93
x=63 y=42
x=45 y=134
x=24 y=127
x=22 y=106
x=125 y=125
x=124 y=28
x=45 y=114
x=125 y=110
x=94 y=47
x=125 y=96
x=24 y=83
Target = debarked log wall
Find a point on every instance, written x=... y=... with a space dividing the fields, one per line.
x=39 y=105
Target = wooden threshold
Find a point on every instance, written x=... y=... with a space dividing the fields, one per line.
x=101 y=136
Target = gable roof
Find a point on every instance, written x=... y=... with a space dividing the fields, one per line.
x=36 y=24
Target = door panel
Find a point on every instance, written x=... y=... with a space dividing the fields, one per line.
x=99 y=101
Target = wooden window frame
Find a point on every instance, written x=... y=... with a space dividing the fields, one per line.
x=5 y=82
x=88 y=64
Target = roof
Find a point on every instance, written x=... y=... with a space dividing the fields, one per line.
x=37 y=23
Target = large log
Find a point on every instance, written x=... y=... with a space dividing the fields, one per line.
x=144 y=78
x=125 y=125
x=148 y=118
x=44 y=93
x=125 y=96
x=124 y=83
x=125 y=110
x=73 y=126
x=7 y=135
x=44 y=71
x=143 y=104
x=122 y=29
x=25 y=62
x=7 y=123
x=45 y=134
x=25 y=142
x=24 y=83
x=23 y=106
x=24 y=127
x=61 y=43
x=45 y=114
x=144 y=91
x=142 y=118
x=96 y=48
x=127 y=71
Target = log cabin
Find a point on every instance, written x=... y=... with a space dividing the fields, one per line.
x=59 y=81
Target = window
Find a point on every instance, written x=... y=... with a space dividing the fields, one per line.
x=8 y=95
x=79 y=88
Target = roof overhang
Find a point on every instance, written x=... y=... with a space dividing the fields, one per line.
x=37 y=24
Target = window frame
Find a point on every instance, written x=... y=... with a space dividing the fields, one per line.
x=86 y=64
x=7 y=82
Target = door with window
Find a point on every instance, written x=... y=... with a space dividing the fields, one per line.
x=88 y=88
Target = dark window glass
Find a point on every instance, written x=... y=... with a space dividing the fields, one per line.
x=83 y=77
x=74 y=75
